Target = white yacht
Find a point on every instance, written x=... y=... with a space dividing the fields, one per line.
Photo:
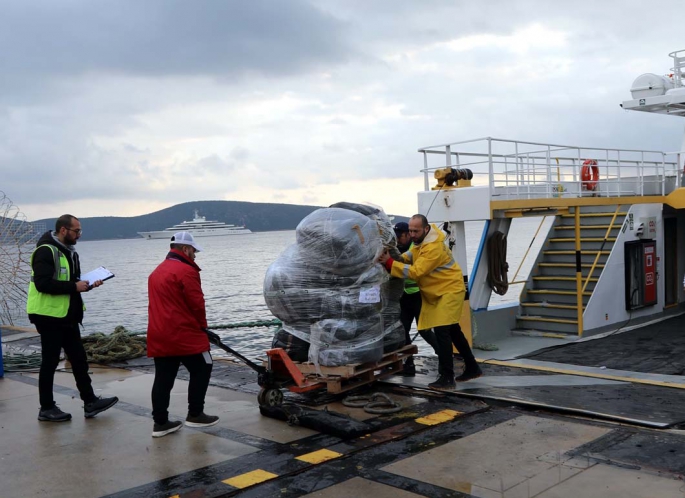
x=199 y=227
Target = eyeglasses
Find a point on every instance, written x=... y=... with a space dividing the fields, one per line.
x=78 y=231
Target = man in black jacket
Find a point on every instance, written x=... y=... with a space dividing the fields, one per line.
x=55 y=307
x=410 y=302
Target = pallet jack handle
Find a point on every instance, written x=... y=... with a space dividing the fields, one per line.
x=216 y=340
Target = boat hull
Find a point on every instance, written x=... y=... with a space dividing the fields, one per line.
x=164 y=234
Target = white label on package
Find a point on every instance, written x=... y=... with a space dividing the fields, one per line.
x=372 y=295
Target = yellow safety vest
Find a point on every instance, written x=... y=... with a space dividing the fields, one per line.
x=410 y=286
x=54 y=305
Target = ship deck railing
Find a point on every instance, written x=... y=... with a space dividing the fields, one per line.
x=515 y=169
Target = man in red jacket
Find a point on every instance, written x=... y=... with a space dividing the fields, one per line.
x=175 y=335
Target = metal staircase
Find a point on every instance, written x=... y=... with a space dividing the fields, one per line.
x=549 y=301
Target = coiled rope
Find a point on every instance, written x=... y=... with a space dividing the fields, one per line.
x=497 y=263
x=120 y=345
x=377 y=403
x=21 y=362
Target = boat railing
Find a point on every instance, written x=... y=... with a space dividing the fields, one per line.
x=678 y=68
x=528 y=170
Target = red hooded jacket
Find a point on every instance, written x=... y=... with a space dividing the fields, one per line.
x=176 y=311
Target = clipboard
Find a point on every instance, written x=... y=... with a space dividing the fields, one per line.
x=100 y=273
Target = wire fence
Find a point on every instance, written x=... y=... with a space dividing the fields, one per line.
x=17 y=241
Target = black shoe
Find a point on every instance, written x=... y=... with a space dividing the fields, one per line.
x=202 y=420
x=443 y=384
x=160 y=430
x=99 y=405
x=409 y=369
x=54 y=414
x=469 y=374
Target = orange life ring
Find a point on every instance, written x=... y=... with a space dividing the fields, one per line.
x=589 y=174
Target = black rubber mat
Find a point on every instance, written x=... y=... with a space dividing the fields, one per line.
x=657 y=452
x=657 y=348
x=644 y=405
x=648 y=406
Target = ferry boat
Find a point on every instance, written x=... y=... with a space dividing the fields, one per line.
x=612 y=251
x=199 y=227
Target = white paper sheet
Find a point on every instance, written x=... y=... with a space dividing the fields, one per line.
x=370 y=295
x=101 y=273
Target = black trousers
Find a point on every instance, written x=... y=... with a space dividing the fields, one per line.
x=446 y=336
x=55 y=336
x=166 y=368
x=410 y=309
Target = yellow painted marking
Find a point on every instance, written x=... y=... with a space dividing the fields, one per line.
x=175 y=496
x=586 y=227
x=553 y=306
x=594 y=215
x=439 y=417
x=547 y=334
x=676 y=199
x=562 y=253
x=545 y=202
x=554 y=291
x=554 y=336
x=319 y=456
x=250 y=478
x=583 y=239
x=548 y=320
x=560 y=278
x=569 y=265
x=585 y=374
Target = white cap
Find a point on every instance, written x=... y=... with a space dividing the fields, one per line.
x=185 y=238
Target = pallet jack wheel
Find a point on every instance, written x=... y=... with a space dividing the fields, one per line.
x=270 y=397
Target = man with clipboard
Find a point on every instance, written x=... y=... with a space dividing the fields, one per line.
x=55 y=307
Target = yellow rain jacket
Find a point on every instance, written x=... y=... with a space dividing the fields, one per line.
x=439 y=277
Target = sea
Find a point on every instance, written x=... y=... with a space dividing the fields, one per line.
x=233 y=269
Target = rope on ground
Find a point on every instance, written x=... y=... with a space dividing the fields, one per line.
x=497 y=263
x=357 y=401
x=21 y=362
x=487 y=346
x=376 y=403
x=120 y=345
x=256 y=323
x=382 y=404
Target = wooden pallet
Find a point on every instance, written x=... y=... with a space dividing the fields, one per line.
x=345 y=377
x=358 y=368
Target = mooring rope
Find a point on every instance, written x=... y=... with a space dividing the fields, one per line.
x=21 y=362
x=120 y=345
x=497 y=263
x=377 y=403
x=256 y=323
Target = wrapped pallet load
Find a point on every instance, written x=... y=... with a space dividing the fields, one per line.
x=337 y=304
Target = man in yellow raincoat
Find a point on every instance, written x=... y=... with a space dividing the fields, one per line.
x=430 y=263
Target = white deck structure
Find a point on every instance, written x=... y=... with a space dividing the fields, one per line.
x=634 y=189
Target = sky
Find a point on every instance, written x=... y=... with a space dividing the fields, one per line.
x=126 y=107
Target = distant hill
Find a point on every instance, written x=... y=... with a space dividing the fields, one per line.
x=257 y=216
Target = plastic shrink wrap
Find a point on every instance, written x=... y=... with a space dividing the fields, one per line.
x=337 y=304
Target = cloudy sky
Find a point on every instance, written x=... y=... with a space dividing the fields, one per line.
x=126 y=107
